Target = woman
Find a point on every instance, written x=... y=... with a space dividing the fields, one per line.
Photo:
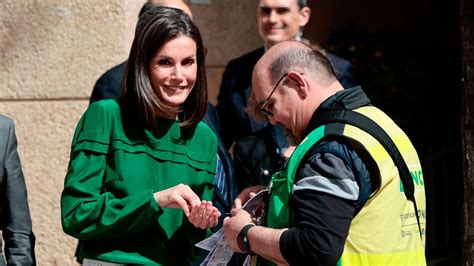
x=139 y=167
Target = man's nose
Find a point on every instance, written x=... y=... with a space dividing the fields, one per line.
x=272 y=16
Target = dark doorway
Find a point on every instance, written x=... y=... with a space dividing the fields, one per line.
x=407 y=56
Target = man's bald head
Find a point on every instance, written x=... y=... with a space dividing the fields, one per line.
x=150 y=4
x=179 y=4
x=296 y=56
x=290 y=81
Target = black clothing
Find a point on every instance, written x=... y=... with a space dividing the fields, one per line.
x=108 y=86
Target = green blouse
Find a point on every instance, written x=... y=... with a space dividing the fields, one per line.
x=108 y=202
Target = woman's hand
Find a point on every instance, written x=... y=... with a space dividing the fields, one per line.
x=200 y=213
x=246 y=194
x=205 y=215
x=179 y=196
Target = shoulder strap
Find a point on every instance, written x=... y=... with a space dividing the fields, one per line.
x=353 y=118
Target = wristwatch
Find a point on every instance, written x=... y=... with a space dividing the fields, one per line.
x=243 y=241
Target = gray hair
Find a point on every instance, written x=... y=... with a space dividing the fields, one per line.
x=308 y=59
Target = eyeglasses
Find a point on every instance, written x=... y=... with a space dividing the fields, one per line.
x=262 y=105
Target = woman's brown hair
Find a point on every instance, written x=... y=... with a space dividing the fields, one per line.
x=139 y=101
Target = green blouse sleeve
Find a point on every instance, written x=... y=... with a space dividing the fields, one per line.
x=86 y=211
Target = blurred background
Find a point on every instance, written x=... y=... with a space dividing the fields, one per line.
x=409 y=55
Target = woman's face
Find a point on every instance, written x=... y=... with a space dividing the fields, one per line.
x=173 y=70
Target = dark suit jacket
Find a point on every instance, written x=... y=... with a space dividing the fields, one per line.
x=108 y=87
x=224 y=206
x=236 y=88
x=15 y=220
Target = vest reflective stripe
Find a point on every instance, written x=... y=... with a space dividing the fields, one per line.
x=386 y=228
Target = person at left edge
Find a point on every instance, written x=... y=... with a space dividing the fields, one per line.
x=141 y=173
x=108 y=87
x=15 y=220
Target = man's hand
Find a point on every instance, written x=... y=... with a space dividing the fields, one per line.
x=233 y=225
x=247 y=194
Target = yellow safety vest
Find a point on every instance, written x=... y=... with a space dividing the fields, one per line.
x=385 y=231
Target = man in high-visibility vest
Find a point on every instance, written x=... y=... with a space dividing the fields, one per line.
x=351 y=193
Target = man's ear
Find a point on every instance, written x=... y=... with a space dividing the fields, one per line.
x=299 y=79
x=305 y=13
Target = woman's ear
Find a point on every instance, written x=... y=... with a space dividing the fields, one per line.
x=300 y=81
x=205 y=51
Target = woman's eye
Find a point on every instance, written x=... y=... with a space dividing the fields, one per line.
x=188 y=62
x=164 y=62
